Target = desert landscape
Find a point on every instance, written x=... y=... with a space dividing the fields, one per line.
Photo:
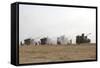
x=56 y=53
x=55 y=34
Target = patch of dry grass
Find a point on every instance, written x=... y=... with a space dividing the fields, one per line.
x=52 y=53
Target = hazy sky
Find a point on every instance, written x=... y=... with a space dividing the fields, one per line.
x=40 y=21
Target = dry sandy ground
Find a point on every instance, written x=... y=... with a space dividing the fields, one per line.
x=53 y=53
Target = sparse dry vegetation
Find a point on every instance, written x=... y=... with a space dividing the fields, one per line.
x=53 y=53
